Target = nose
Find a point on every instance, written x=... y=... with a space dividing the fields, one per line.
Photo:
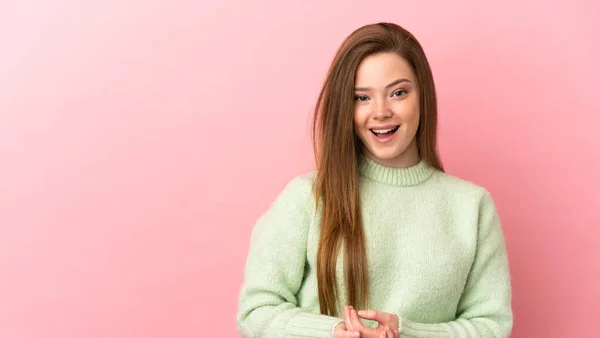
x=382 y=110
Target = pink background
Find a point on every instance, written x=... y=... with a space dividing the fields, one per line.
x=140 y=141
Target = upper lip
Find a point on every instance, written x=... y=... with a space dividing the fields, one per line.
x=389 y=126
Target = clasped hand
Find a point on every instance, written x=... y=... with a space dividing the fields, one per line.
x=352 y=327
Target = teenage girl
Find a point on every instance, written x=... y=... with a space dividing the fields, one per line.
x=378 y=241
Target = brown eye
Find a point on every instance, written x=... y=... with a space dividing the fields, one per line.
x=361 y=98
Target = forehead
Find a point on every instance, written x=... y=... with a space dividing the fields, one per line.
x=381 y=69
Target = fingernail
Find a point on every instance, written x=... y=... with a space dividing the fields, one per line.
x=355 y=334
x=361 y=313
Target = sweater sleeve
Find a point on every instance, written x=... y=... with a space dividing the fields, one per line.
x=274 y=271
x=484 y=309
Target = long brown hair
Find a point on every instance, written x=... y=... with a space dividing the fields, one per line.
x=337 y=150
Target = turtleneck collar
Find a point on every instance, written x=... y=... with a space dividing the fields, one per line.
x=395 y=176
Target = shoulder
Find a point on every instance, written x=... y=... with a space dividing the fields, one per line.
x=300 y=183
x=464 y=191
x=295 y=198
x=459 y=186
x=288 y=217
x=297 y=190
x=471 y=200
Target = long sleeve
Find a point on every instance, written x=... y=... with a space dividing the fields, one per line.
x=484 y=309
x=268 y=305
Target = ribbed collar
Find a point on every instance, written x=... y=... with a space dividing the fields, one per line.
x=395 y=176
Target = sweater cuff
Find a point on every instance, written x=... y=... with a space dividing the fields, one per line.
x=307 y=325
x=410 y=329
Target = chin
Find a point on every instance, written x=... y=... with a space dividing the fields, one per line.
x=387 y=155
x=398 y=152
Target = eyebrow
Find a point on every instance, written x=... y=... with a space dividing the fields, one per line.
x=397 y=82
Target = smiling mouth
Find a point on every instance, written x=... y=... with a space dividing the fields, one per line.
x=384 y=132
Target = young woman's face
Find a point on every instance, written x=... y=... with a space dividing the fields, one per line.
x=386 y=113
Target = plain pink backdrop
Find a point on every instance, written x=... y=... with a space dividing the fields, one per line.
x=141 y=140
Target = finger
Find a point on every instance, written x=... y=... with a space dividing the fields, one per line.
x=390 y=333
x=351 y=334
x=368 y=314
x=348 y=319
x=358 y=326
x=380 y=317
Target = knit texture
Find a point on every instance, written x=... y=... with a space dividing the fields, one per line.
x=435 y=252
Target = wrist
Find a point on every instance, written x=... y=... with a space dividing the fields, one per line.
x=340 y=327
x=399 y=321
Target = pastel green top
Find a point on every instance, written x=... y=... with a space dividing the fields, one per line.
x=435 y=252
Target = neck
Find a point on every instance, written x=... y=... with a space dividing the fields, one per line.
x=408 y=158
x=398 y=176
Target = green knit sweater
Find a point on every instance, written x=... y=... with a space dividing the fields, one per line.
x=435 y=252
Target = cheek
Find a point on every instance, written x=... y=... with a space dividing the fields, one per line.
x=410 y=115
x=360 y=124
x=415 y=118
x=412 y=124
x=361 y=116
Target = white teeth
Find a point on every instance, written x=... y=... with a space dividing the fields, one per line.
x=382 y=131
